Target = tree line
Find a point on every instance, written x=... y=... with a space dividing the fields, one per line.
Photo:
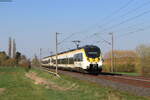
x=5 y=60
x=137 y=60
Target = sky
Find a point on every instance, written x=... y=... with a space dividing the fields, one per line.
x=33 y=24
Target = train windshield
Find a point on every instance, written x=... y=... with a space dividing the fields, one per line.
x=92 y=52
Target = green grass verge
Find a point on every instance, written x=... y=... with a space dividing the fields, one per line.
x=128 y=73
x=19 y=87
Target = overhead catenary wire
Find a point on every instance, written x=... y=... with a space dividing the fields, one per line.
x=137 y=8
x=116 y=25
x=105 y=18
x=127 y=13
x=115 y=12
x=123 y=15
x=123 y=35
x=129 y=19
x=125 y=21
x=131 y=26
x=134 y=32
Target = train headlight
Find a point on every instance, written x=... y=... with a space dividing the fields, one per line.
x=97 y=59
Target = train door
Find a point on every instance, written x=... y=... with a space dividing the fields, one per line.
x=78 y=60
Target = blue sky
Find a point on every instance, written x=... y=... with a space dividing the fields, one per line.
x=33 y=24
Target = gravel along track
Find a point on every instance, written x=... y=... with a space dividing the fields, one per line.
x=128 y=80
x=131 y=85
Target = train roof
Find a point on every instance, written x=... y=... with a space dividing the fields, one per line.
x=83 y=47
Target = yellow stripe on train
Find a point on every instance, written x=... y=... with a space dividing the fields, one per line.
x=93 y=60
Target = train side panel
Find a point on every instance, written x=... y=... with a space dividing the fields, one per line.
x=77 y=59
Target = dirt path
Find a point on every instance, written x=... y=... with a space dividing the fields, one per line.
x=48 y=84
x=2 y=90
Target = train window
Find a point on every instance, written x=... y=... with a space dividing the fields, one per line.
x=78 y=57
x=52 y=60
x=71 y=60
x=64 y=61
x=92 y=52
x=58 y=61
x=75 y=57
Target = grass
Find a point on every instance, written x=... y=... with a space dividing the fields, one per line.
x=128 y=73
x=19 y=87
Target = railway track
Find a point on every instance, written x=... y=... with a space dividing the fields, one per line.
x=136 y=85
x=131 y=80
x=134 y=78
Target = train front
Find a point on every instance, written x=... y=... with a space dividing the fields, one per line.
x=94 y=59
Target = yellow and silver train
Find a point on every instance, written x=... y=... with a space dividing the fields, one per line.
x=84 y=59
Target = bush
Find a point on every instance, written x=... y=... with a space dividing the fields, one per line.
x=144 y=54
x=124 y=61
x=24 y=63
x=106 y=68
x=9 y=62
x=36 y=62
x=125 y=68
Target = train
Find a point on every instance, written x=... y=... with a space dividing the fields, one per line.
x=86 y=59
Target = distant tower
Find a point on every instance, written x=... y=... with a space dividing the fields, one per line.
x=9 y=47
x=14 y=48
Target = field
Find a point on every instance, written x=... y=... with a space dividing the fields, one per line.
x=18 y=84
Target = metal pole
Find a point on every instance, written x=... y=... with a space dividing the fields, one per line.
x=56 y=53
x=40 y=56
x=40 y=53
x=112 y=53
x=113 y=50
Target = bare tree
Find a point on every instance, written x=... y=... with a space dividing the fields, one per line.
x=14 y=48
x=144 y=54
x=124 y=60
x=9 y=47
x=36 y=61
